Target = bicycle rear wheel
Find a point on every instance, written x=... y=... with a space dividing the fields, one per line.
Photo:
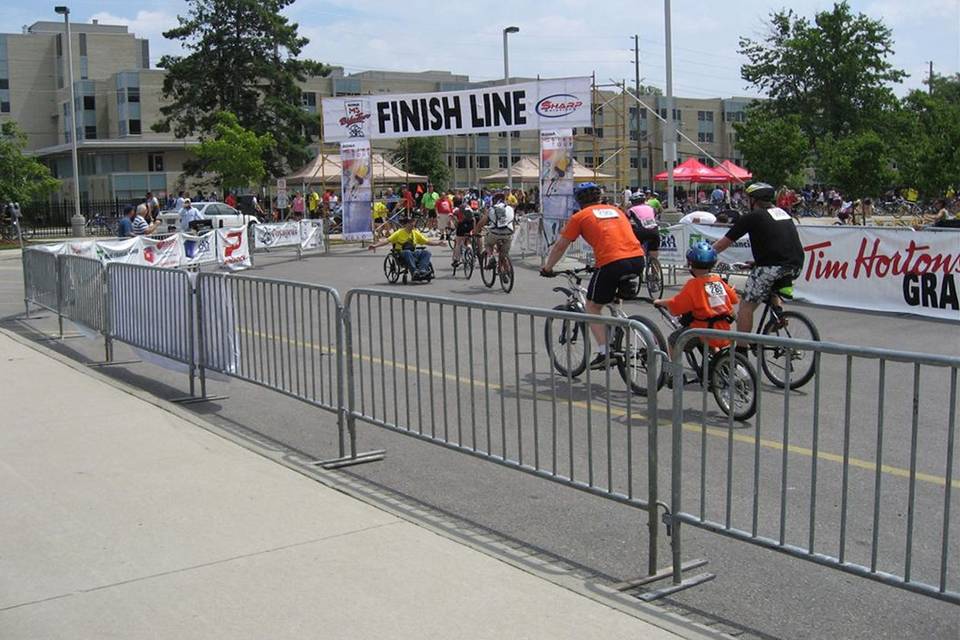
x=653 y=277
x=634 y=362
x=506 y=275
x=567 y=343
x=488 y=269
x=776 y=361
x=467 y=261
x=734 y=384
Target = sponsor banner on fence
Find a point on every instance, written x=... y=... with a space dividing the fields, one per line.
x=233 y=249
x=164 y=253
x=311 y=234
x=543 y=104
x=197 y=250
x=126 y=251
x=355 y=184
x=277 y=234
x=881 y=270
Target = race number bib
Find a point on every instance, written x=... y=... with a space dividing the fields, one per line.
x=648 y=223
x=605 y=214
x=716 y=294
x=778 y=214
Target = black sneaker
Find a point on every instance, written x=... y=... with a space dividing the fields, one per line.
x=601 y=361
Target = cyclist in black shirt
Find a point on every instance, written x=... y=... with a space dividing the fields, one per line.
x=776 y=246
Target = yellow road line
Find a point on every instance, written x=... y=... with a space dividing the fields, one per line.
x=774 y=445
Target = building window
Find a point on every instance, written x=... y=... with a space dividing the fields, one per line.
x=705 y=116
x=134 y=126
x=89 y=103
x=83 y=44
x=501 y=134
x=704 y=136
x=133 y=94
x=155 y=162
x=514 y=134
x=484 y=135
x=4 y=107
x=516 y=159
x=588 y=161
x=461 y=162
x=90 y=132
x=483 y=162
x=599 y=131
x=633 y=163
x=643 y=162
x=502 y=162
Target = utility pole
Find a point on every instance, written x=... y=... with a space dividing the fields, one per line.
x=636 y=88
x=670 y=134
x=930 y=80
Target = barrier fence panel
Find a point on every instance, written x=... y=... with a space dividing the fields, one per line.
x=41 y=281
x=281 y=335
x=853 y=469
x=83 y=287
x=478 y=378
x=152 y=309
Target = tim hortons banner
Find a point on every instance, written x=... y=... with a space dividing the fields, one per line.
x=355 y=185
x=543 y=104
x=881 y=270
x=233 y=249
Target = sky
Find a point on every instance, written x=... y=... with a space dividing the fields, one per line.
x=556 y=39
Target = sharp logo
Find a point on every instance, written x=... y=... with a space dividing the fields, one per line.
x=558 y=105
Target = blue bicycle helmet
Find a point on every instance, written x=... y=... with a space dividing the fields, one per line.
x=587 y=193
x=702 y=255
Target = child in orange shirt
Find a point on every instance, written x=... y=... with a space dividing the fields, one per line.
x=705 y=301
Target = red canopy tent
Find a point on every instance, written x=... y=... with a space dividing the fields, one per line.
x=693 y=171
x=733 y=171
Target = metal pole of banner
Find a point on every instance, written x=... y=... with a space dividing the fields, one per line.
x=669 y=137
x=506 y=81
x=77 y=222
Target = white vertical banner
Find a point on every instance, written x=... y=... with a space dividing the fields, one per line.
x=356 y=172
x=164 y=253
x=197 y=250
x=233 y=249
x=311 y=235
x=556 y=182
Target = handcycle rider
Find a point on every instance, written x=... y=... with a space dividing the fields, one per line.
x=618 y=255
x=498 y=222
x=408 y=242
x=777 y=250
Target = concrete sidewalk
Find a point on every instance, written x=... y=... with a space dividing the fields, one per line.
x=122 y=519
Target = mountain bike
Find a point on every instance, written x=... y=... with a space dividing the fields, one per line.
x=780 y=363
x=568 y=341
x=494 y=266
x=653 y=276
x=468 y=258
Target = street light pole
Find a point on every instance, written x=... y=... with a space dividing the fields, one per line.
x=77 y=222
x=670 y=141
x=506 y=80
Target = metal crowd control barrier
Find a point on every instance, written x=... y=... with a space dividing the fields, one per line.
x=83 y=295
x=477 y=378
x=41 y=281
x=151 y=309
x=861 y=504
x=285 y=336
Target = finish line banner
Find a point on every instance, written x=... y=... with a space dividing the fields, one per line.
x=544 y=104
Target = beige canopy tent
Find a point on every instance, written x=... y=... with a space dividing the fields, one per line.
x=527 y=169
x=326 y=168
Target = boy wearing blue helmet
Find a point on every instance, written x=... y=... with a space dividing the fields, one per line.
x=705 y=301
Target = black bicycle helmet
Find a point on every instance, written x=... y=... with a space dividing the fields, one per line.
x=587 y=193
x=761 y=191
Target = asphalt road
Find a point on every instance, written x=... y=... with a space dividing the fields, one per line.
x=439 y=371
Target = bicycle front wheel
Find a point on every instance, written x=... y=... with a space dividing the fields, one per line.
x=634 y=360
x=654 y=277
x=506 y=275
x=567 y=343
x=488 y=269
x=777 y=361
x=734 y=384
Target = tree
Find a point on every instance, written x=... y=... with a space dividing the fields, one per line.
x=930 y=153
x=774 y=148
x=832 y=72
x=234 y=154
x=242 y=59
x=22 y=178
x=858 y=164
x=424 y=156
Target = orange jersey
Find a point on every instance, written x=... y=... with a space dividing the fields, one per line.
x=607 y=230
x=705 y=297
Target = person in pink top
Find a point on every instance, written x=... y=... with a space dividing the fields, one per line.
x=298 y=205
x=645 y=227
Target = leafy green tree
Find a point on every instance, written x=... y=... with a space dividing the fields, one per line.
x=424 y=156
x=929 y=156
x=243 y=58
x=22 y=178
x=234 y=154
x=858 y=164
x=832 y=72
x=775 y=148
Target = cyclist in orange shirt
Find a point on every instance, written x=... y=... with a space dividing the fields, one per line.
x=617 y=253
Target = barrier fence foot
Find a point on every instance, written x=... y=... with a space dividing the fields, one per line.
x=68 y=336
x=198 y=400
x=665 y=574
x=349 y=461
x=110 y=363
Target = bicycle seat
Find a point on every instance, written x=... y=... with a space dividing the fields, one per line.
x=783 y=288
